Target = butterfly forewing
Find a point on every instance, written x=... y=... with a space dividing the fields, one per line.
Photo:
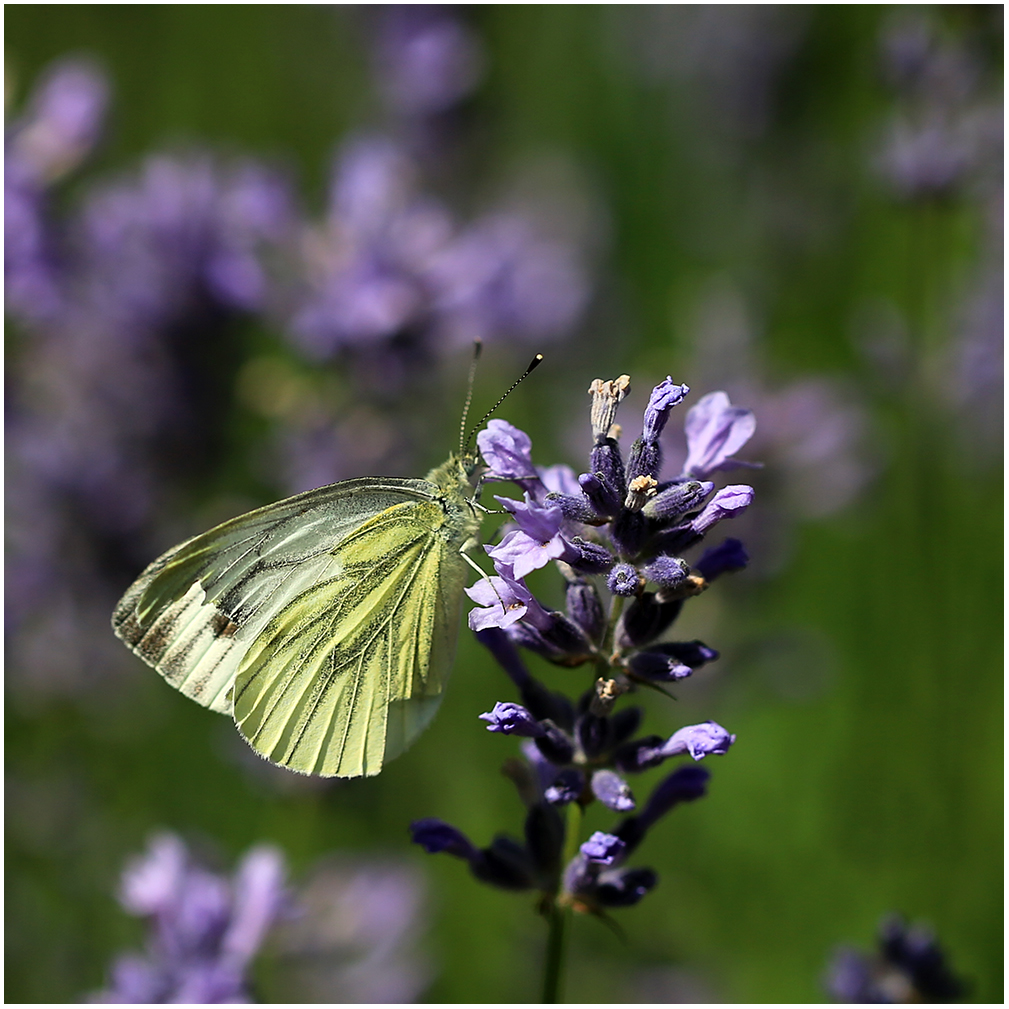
x=345 y=676
x=194 y=611
x=325 y=623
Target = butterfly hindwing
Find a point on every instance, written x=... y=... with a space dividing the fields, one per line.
x=351 y=670
x=196 y=610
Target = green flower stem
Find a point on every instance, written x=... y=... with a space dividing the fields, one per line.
x=559 y=912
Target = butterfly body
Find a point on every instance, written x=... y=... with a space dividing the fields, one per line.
x=325 y=624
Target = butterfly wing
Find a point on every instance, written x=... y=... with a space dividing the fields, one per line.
x=194 y=613
x=347 y=674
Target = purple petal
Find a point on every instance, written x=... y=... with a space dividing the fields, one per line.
x=151 y=883
x=612 y=791
x=715 y=430
x=507 y=451
x=259 y=897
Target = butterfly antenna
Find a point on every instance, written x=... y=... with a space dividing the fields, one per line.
x=477 y=347
x=533 y=365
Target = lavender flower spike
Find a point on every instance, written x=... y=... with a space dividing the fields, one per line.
x=512 y=720
x=698 y=741
x=715 y=431
x=205 y=928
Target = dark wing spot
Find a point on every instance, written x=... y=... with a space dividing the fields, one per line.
x=222 y=626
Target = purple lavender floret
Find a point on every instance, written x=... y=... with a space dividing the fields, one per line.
x=603 y=848
x=716 y=430
x=699 y=741
x=206 y=929
x=617 y=536
x=730 y=555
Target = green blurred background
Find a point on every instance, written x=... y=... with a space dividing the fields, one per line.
x=861 y=666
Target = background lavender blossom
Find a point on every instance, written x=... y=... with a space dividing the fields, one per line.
x=169 y=223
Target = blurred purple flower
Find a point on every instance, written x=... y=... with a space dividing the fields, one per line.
x=393 y=262
x=355 y=938
x=205 y=929
x=426 y=60
x=909 y=967
x=57 y=130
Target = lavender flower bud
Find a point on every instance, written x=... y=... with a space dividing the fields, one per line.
x=628 y=532
x=646 y=454
x=612 y=791
x=645 y=619
x=536 y=698
x=568 y=786
x=623 y=580
x=591 y=559
x=504 y=864
x=691 y=653
x=727 y=556
x=726 y=504
x=644 y=460
x=674 y=502
x=658 y=666
x=567 y=643
x=585 y=608
x=623 y=887
x=667 y=572
x=593 y=733
x=512 y=720
x=555 y=745
x=623 y=724
x=600 y=493
x=574 y=508
x=606 y=462
x=435 y=835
